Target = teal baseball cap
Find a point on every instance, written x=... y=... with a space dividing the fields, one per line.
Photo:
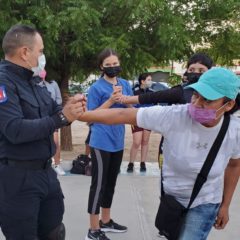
x=216 y=83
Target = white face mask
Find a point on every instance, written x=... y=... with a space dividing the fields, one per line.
x=41 y=65
x=148 y=84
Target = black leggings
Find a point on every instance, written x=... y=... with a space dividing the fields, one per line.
x=105 y=169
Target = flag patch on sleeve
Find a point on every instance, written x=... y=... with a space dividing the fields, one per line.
x=3 y=94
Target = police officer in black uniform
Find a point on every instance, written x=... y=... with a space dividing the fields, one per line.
x=31 y=199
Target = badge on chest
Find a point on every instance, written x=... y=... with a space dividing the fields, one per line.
x=3 y=95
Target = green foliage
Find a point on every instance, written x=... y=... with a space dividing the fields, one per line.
x=144 y=32
x=174 y=79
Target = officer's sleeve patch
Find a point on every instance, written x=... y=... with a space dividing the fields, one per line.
x=3 y=94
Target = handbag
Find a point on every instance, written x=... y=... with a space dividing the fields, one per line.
x=170 y=217
x=80 y=165
x=171 y=213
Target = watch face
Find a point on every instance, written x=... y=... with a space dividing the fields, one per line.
x=63 y=118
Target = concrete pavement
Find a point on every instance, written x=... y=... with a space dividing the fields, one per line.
x=135 y=205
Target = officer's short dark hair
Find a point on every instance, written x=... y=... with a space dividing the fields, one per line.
x=18 y=36
x=201 y=58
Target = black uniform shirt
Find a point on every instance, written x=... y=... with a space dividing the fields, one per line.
x=28 y=116
x=139 y=91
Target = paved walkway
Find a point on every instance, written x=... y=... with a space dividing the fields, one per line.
x=135 y=205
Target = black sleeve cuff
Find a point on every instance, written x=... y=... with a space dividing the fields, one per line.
x=60 y=120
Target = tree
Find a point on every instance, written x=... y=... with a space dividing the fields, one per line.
x=144 y=32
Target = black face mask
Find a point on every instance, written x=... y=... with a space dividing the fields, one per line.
x=192 y=77
x=112 y=71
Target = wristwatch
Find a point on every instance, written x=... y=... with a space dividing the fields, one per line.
x=64 y=120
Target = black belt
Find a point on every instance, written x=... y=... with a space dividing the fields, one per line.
x=28 y=164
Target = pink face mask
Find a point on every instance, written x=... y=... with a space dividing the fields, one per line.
x=203 y=115
x=43 y=74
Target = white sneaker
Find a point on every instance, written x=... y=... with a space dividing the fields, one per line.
x=59 y=170
x=161 y=236
x=53 y=161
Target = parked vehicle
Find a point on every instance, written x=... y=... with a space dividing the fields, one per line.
x=158 y=86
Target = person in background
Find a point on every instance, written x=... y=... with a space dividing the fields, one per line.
x=107 y=144
x=196 y=66
x=140 y=136
x=190 y=130
x=86 y=155
x=54 y=90
x=87 y=147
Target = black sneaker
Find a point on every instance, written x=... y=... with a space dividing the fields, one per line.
x=111 y=226
x=96 y=235
x=130 y=167
x=143 y=167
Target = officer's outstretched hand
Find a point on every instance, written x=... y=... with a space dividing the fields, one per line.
x=74 y=107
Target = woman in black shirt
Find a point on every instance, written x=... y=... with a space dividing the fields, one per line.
x=197 y=64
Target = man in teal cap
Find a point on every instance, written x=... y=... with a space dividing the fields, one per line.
x=190 y=131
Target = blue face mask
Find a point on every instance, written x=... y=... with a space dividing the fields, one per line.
x=148 y=84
